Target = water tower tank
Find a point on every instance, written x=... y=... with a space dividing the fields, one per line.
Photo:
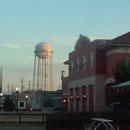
x=43 y=70
x=43 y=50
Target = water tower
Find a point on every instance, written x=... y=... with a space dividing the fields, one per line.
x=43 y=71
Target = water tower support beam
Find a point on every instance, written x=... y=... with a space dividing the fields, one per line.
x=34 y=72
x=38 y=74
x=42 y=73
x=51 y=74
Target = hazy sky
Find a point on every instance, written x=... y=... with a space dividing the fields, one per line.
x=25 y=23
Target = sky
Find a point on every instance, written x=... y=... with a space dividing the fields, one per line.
x=25 y=23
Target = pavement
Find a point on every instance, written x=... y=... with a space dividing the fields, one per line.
x=22 y=128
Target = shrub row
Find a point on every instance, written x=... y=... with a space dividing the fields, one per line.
x=78 y=119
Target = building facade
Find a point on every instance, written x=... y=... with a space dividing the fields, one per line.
x=39 y=97
x=23 y=102
x=90 y=78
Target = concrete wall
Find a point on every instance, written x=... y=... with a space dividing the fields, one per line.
x=41 y=96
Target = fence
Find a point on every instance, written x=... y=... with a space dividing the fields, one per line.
x=22 y=119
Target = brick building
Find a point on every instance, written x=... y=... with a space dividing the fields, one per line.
x=89 y=81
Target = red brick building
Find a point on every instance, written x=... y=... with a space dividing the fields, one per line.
x=90 y=78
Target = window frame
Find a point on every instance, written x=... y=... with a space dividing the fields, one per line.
x=91 y=60
x=21 y=104
x=71 y=67
x=77 y=65
x=83 y=63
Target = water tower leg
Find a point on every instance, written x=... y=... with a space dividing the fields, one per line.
x=45 y=76
x=42 y=74
x=51 y=74
x=34 y=73
x=38 y=74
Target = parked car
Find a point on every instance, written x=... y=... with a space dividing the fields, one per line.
x=118 y=106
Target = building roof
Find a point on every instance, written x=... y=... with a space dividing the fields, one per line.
x=122 y=85
x=125 y=38
x=81 y=41
x=66 y=62
x=6 y=93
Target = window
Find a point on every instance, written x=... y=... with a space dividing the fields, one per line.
x=71 y=67
x=84 y=63
x=91 y=60
x=77 y=65
x=21 y=104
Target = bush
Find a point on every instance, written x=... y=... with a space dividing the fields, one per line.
x=59 y=109
x=72 y=120
x=8 y=104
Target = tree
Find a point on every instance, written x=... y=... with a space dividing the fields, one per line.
x=8 y=104
x=48 y=103
x=122 y=75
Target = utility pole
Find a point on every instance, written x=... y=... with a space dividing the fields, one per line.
x=12 y=89
x=62 y=74
x=8 y=87
x=29 y=86
x=22 y=85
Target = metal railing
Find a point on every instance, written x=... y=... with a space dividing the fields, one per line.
x=22 y=119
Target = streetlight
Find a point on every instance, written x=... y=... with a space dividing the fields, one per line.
x=26 y=101
x=17 y=91
x=1 y=94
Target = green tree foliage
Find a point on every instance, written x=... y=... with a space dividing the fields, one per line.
x=123 y=74
x=48 y=103
x=8 y=104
